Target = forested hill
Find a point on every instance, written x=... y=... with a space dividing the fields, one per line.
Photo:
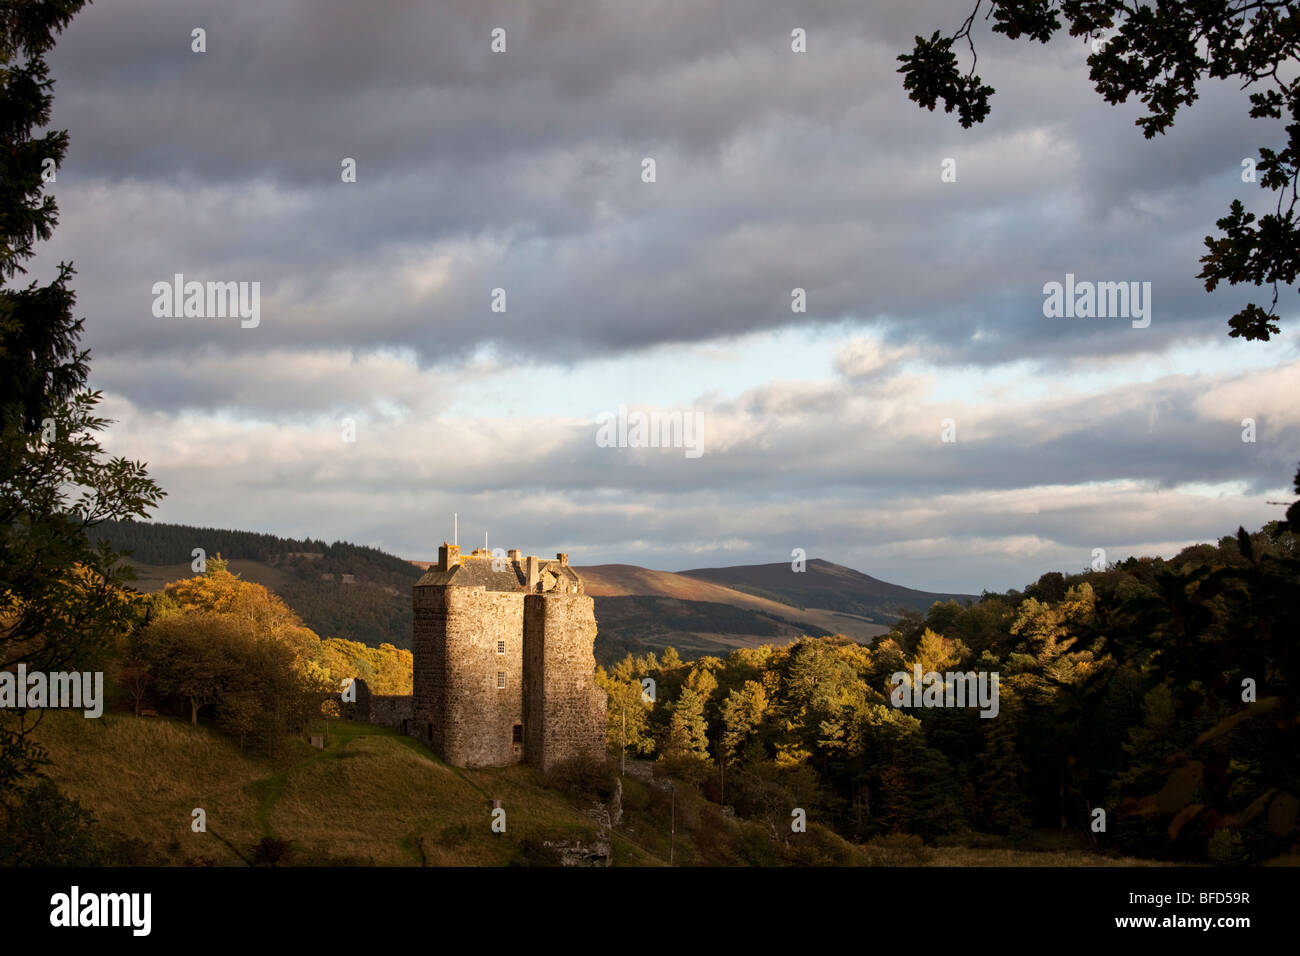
x=339 y=590
x=156 y=543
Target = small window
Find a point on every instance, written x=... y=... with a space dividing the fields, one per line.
x=501 y=679
x=518 y=734
x=501 y=647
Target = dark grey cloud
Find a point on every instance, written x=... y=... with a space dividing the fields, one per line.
x=775 y=171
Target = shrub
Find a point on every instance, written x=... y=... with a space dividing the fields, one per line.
x=899 y=849
x=534 y=852
x=42 y=827
x=271 y=851
x=585 y=776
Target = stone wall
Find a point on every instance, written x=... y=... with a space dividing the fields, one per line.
x=395 y=712
x=460 y=707
x=390 y=711
x=565 y=710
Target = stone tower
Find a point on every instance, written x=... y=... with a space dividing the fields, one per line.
x=503 y=665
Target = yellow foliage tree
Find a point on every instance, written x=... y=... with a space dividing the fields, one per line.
x=256 y=610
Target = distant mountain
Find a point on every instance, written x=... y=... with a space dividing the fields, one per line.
x=825 y=586
x=752 y=624
x=636 y=624
x=363 y=594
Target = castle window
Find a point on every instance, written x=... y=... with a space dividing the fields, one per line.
x=501 y=647
x=518 y=736
x=501 y=679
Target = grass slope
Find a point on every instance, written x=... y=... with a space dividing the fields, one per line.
x=372 y=797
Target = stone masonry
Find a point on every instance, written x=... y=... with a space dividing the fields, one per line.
x=503 y=665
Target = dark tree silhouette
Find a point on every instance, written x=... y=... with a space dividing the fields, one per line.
x=1161 y=54
x=57 y=591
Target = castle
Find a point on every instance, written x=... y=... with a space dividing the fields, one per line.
x=503 y=665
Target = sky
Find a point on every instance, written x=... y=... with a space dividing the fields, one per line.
x=921 y=419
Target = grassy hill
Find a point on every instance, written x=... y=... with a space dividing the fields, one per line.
x=830 y=587
x=638 y=609
x=637 y=624
x=372 y=797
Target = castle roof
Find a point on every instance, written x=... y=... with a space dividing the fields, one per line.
x=476 y=571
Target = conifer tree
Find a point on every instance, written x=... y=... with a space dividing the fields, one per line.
x=60 y=597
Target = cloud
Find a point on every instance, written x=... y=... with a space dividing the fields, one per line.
x=522 y=172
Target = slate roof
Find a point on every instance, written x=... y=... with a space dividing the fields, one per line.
x=475 y=572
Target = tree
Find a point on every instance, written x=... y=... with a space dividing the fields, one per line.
x=1293 y=512
x=1004 y=807
x=135 y=678
x=45 y=828
x=61 y=599
x=687 y=731
x=627 y=709
x=934 y=794
x=257 y=610
x=194 y=656
x=237 y=715
x=742 y=714
x=1161 y=53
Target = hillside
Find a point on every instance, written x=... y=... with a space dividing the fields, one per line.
x=638 y=609
x=370 y=797
x=363 y=594
x=827 y=586
x=374 y=798
x=339 y=590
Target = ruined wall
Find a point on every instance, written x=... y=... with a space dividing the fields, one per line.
x=392 y=712
x=565 y=710
x=459 y=708
x=388 y=710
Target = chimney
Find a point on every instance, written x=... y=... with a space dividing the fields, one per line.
x=532 y=572
x=514 y=554
x=563 y=558
x=448 y=556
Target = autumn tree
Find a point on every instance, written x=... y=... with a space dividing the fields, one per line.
x=627 y=709
x=685 y=748
x=743 y=713
x=194 y=657
x=251 y=606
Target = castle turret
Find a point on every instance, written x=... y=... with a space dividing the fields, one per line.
x=564 y=710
